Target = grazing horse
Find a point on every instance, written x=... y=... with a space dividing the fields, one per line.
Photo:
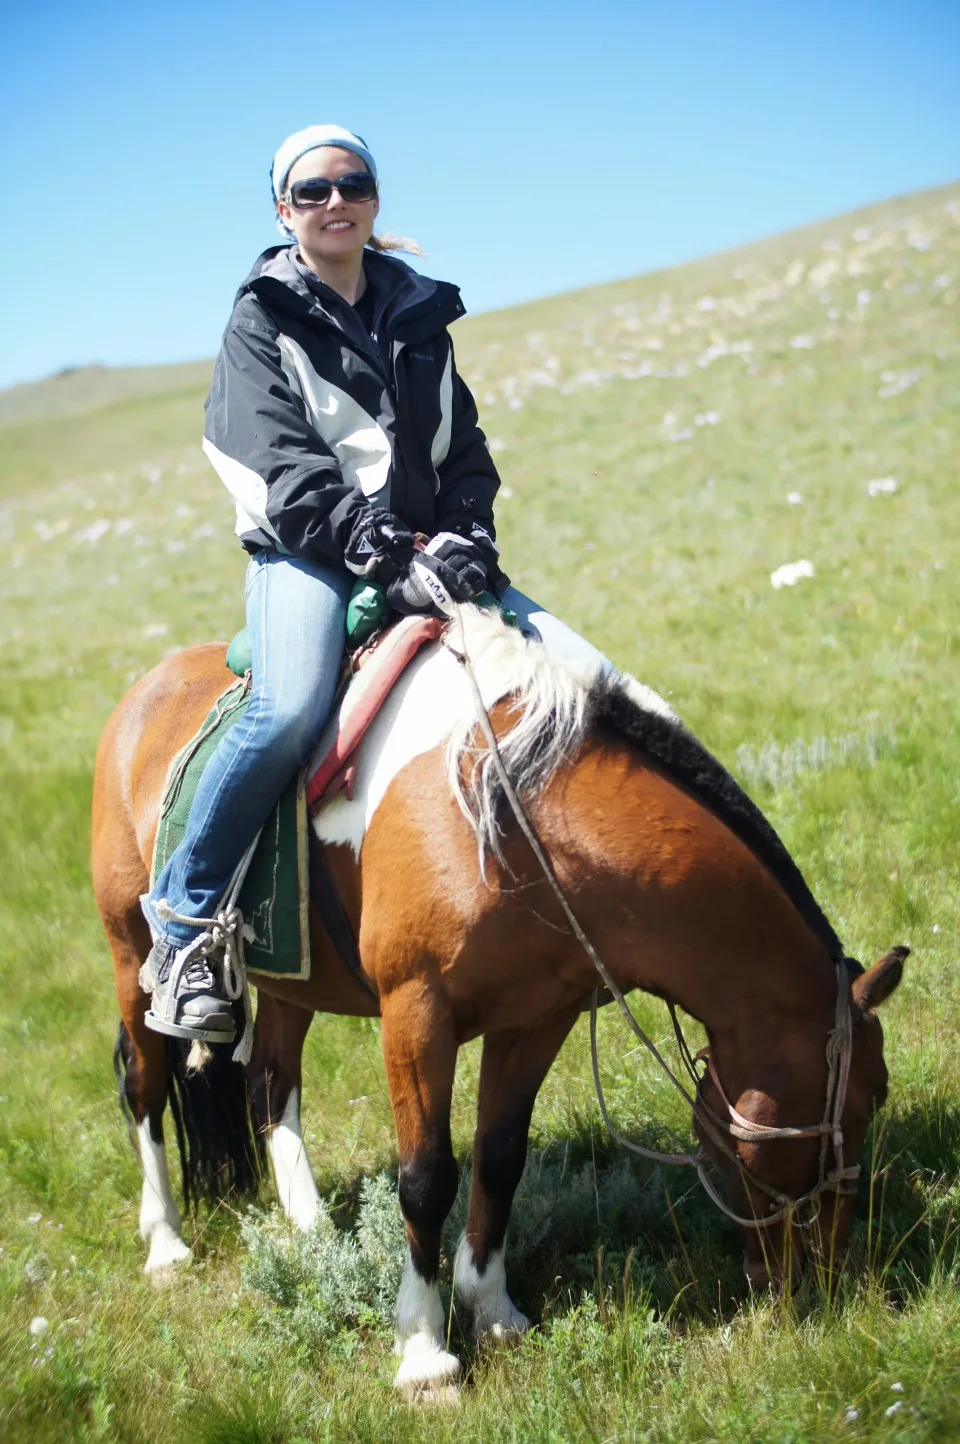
x=677 y=880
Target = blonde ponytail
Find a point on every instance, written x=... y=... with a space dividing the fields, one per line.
x=387 y=241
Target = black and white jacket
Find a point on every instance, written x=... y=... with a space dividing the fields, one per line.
x=312 y=421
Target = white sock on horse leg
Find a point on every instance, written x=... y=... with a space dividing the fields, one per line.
x=159 y=1216
x=495 y=1315
x=296 y=1187
x=420 y=1340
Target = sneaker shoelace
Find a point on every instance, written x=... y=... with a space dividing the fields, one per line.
x=223 y=935
x=198 y=976
x=225 y=931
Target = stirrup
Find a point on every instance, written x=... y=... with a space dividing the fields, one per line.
x=193 y=1035
x=191 y=986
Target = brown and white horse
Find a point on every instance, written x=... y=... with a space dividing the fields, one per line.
x=677 y=880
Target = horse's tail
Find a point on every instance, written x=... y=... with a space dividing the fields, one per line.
x=221 y=1151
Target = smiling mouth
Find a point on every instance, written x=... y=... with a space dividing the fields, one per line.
x=338 y=225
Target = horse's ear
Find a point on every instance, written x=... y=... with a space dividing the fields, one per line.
x=875 y=986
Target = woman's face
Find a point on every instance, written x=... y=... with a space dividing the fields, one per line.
x=340 y=228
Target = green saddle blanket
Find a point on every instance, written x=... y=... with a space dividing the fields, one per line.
x=275 y=896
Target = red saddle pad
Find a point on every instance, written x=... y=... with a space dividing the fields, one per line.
x=379 y=668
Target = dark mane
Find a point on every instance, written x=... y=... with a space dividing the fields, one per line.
x=687 y=761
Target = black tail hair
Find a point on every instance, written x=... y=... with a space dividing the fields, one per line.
x=220 y=1150
x=121 y=1053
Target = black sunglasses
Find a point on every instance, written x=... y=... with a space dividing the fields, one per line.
x=317 y=190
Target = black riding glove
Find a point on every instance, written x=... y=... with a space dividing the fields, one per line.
x=426 y=586
x=465 y=560
x=452 y=568
x=380 y=547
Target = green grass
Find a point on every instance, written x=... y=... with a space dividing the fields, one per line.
x=654 y=528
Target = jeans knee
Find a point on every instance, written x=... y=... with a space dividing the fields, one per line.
x=283 y=734
x=293 y=734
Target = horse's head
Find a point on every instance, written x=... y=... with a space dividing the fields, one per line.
x=775 y=1169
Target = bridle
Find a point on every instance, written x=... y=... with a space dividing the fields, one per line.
x=832 y=1176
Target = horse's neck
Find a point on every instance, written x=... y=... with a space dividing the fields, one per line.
x=689 y=911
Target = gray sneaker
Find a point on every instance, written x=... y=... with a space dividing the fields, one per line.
x=189 y=1000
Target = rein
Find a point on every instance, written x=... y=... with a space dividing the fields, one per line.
x=835 y=1179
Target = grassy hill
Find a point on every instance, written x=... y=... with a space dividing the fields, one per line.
x=90 y=388
x=666 y=443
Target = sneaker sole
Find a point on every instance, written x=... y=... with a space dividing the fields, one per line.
x=177 y=1030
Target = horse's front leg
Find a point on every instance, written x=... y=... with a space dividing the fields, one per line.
x=420 y=1052
x=511 y=1071
x=275 y=1087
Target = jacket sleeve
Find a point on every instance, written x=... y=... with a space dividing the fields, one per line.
x=284 y=478
x=469 y=481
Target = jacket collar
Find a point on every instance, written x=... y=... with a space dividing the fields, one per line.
x=411 y=306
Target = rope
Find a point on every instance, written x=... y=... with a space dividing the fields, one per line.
x=223 y=931
x=688 y=1160
x=839 y=1041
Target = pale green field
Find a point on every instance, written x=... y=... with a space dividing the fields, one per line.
x=651 y=436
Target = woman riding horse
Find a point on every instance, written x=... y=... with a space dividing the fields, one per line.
x=340 y=425
x=339 y=440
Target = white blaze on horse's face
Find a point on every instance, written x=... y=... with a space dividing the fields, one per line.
x=318 y=229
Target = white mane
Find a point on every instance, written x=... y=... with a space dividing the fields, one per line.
x=549 y=697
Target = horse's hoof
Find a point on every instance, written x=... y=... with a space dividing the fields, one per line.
x=428 y=1393
x=427 y=1373
x=164 y=1277
x=503 y=1333
x=167 y=1251
x=496 y=1319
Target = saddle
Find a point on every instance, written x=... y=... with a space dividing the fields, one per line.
x=367 y=679
x=375 y=669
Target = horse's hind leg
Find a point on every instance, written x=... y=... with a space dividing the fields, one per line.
x=511 y=1071
x=144 y=1081
x=420 y=1051
x=275 y=1087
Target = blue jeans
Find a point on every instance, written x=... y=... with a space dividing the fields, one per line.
x=556 y=636
x=296 y=616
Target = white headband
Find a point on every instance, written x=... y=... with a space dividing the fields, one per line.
x=313 y=138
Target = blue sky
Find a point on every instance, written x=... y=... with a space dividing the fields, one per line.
x=530 y=147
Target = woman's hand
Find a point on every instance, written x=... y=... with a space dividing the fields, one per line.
x=425 y=586
x=449 y=569
x=380 y=547
x=464 y=560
